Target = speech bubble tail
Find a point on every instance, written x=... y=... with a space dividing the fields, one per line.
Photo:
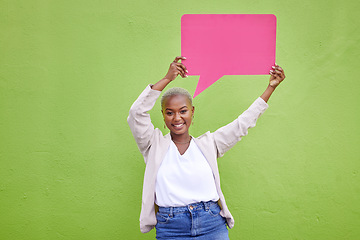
x=205 y=81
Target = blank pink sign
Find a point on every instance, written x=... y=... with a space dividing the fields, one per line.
x=227 y=44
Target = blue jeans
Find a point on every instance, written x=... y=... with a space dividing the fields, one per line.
x=198 y=221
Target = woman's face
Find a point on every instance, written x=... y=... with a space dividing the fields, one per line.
x=178 y=112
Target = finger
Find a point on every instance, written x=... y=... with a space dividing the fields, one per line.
x=182 y=66
x=280 y=74
x=277 y=68
x=280 y=70
x=180 y=71
x=276 y=74
x=178 y=58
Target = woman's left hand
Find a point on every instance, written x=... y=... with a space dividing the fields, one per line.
x=277 y=76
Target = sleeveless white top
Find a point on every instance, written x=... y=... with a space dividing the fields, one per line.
x=184 y=179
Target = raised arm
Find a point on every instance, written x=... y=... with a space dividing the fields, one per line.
x=227 y=136
x=139 y=118
x=277 y=76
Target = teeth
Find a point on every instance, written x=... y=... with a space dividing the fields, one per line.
x=179 y=125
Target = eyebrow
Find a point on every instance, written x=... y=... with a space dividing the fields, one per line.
x=180 y=108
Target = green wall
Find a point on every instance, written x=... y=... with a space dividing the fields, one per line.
x=70 y=70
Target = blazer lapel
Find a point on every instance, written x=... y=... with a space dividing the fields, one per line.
x=208 y=155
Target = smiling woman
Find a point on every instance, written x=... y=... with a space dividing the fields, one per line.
x=178 y=112
x=182 y=197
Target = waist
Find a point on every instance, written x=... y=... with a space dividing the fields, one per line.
x=188 y=208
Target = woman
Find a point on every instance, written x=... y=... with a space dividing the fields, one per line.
x=181 y=196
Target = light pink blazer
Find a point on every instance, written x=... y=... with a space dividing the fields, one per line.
x=153 y=146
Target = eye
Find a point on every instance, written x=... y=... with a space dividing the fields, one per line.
x=183 y=111
x=169 y=113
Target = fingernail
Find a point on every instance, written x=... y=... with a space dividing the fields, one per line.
x=186 y=71
x=186 y=75
x=184 y=57
x=273 y=67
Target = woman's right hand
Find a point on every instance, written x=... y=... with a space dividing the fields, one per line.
x=176 y=69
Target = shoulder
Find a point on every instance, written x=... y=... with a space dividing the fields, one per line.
x=159 y=139
x=204 y=137
x=205 y=140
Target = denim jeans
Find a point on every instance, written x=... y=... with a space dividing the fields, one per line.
x=198 y=221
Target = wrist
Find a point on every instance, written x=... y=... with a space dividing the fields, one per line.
x=166 y=80
x=272 y=87
x=160 y=85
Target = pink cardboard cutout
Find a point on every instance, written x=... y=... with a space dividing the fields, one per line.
x=227 y=44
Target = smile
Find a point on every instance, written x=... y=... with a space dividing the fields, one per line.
x=178 y=125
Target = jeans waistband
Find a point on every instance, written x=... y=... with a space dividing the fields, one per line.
x=189 y=207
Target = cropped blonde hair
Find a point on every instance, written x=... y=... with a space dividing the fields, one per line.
x=175 y=91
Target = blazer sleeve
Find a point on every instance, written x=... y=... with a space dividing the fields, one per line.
x=226 y=137
x=139 y=118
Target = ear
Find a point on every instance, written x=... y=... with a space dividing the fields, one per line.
x=193 y=110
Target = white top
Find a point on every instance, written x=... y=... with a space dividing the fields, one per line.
x=184 y=179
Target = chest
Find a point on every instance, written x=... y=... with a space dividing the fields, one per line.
x=191 y=161
x=182 y=147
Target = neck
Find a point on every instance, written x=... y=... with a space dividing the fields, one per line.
x=180 y=138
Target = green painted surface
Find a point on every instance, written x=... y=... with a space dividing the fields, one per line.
x=70 y=70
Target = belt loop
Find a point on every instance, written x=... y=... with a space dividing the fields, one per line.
x=206 y=205
x=171 y=211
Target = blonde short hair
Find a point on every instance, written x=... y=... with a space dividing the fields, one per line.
x=175 y=91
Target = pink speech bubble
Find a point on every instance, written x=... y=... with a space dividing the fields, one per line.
x=227 y=44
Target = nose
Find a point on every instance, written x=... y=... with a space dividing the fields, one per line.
x=177 y=116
